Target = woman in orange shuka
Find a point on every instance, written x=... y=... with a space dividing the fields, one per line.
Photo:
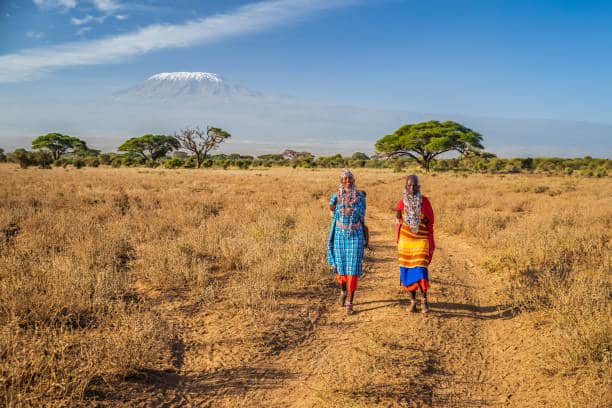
x=415 y=241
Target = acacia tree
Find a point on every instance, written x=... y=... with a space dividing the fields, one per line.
x=200 y=142
x=58 y=144
x=426 y=140
x=293 y=154
x=150 y=147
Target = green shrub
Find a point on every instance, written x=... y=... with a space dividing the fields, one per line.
x=92 y=161
x=190 y=162
x=22 y=157
x=43 y=159
x=105 y=158
x=78 y=163
x=173 y=163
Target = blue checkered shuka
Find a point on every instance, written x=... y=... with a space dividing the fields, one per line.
x=346 y=240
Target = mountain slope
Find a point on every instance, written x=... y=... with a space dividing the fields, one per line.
x=191 y=85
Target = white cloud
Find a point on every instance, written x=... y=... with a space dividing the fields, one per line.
x=106 y=5
x=122 y=16
x=50 y=4
x=87 y=19
x=35 y=35
x=32 y=63
x=83 y=30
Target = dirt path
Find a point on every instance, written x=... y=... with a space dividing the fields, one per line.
x=384 y=356
x=380 y=356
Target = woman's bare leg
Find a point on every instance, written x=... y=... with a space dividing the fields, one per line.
x=412 y=307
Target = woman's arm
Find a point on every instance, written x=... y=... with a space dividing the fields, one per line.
x=429 y=214
x=332 y=203
x=398 y=219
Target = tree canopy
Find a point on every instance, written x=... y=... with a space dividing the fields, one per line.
x=58 y=144
x=200 y=143
x=150 y=147
x=426 y=140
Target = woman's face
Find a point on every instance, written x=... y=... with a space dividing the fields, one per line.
x=411 y=186
x=347 y=182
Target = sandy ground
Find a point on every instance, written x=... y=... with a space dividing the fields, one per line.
x=380 y=356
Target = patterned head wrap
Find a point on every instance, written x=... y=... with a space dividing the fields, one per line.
x=346 y=173
x=412 y=206
x=347 y=196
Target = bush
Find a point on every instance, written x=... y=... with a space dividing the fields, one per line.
x=78 y=163
x=128 y=161
x=173 y=163
x=61 y=162
x=2 y=156
x=43 y=159
x=190 y=162
x=92 y=161
x=23 y=158
x=527 y=164
x=105 y=158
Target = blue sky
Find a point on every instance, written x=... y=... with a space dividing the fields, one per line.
x=523 y=59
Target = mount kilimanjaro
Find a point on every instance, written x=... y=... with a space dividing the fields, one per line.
x=169 y=86
x=263 y=123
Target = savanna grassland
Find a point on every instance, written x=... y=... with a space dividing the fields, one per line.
x=150 y=287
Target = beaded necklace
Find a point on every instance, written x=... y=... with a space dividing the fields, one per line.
x=412 y=210
x=347 y=198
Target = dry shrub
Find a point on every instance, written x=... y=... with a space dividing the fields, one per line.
x=554 y=255
x=46 y=364
x=75 y=246
x=548 y=239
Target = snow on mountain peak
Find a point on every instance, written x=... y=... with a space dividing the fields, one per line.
x=170 y=86
x=186 y=76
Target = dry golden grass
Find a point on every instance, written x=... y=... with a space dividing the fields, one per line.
x=109 y=276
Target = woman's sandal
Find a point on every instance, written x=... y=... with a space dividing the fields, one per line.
x=424 y=306
x=413 y=306
x=349 y=309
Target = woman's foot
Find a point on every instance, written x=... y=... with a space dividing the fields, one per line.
x=412 y=307
x=342 y=299
x=349 y=309
x=424 y=306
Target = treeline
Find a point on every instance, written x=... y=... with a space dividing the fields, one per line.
x=411 y=147
x=485 y=163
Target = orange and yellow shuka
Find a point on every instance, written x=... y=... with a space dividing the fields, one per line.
x=415 y=242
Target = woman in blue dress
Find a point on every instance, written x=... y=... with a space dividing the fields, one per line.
x=347 y=237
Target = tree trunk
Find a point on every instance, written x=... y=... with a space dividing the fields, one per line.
x=426 y=163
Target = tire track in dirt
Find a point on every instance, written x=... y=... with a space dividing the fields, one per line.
x=380 y=356
x=384 y=356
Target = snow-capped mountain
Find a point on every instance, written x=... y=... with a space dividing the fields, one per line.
x=266 y=123
x=190 y=85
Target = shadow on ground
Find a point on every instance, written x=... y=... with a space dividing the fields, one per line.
x=460 y=310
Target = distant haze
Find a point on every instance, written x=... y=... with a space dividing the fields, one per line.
x=261 y=123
